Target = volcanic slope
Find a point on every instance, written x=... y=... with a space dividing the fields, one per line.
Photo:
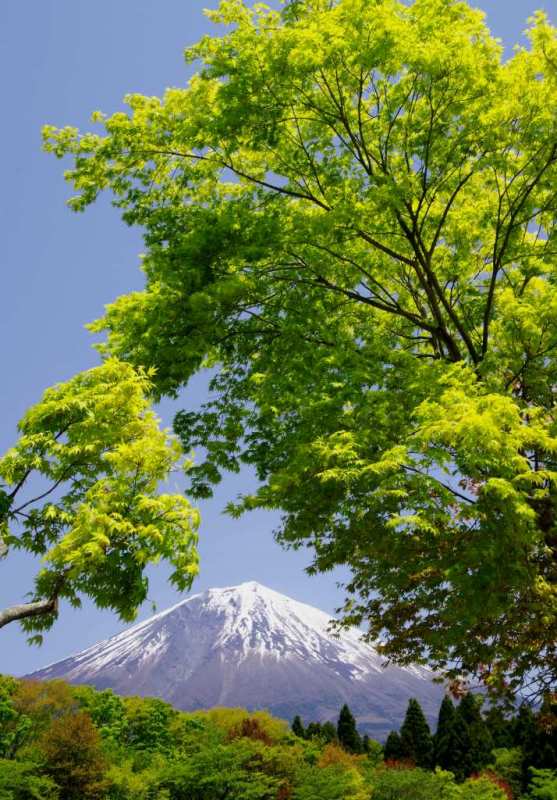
x=250 y=646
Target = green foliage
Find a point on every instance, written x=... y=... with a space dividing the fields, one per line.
x=350 y=213
x=298 y=727
x=446 y=744
x=347 y=733
x=410 y=784
x=14 y=726
x=101 y=521
x=481 y=788
x=507 y=764
x=473 y=743
x=329 y=783
x=415 y=736
x=71 y=750
x=393 y=750
x=236 y=770
x=82 y=744
x=107 y=711
x=20 y=781
x=544 y=784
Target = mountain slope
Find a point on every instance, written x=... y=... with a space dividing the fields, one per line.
x=250 y=646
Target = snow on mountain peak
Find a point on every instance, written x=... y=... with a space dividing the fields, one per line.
x=251 y=646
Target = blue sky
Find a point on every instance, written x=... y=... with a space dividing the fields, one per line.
x=62 y=59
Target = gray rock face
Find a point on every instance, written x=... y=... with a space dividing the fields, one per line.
x=253 y=647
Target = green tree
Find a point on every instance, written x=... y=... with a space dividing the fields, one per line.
x=544 y=784
x=507 y=764
x=14 y=725
x=328 y=732
x=446 y=745
x=313 y=730
x=347 y=733
x=393 y=747
x=410 y=784
x=97 y=520
x=148 y=724
x=298 y=727
x=415 y=736
x=107 y=711
x=473 y=737
x=73 y=757
x=350 y=213
x=20 y=781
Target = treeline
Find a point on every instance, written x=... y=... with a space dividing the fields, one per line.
x=519 y=750
x=61 y=742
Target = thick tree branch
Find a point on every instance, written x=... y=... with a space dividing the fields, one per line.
x=25 y=610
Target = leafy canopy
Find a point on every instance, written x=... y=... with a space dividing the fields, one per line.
x=350 y=213
x=80 y=490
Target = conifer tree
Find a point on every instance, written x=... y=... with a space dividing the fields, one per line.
x=313 y=730
x=474 y=739
x=444 y=739
x=298 y=727
x=415 y=736
x=328 y=732
x=347 y=732
x=500 y=727
x=393 y=747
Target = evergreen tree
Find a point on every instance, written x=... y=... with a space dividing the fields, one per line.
x=536 y=735
x=298 y=727
x=328 y=732
x=444 y=741
x=313 y=730
x=347 y=732
x=474 y=739
x=500 y=727
x=393 y=747
x=415 y=736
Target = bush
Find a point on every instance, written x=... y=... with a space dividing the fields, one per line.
x=544 y=784
x=19 y=781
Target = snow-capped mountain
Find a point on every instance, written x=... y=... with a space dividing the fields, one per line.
x=250 y=646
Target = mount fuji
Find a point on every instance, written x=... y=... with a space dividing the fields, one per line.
x=250 y=646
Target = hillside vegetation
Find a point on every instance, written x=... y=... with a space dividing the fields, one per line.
x=60 y=742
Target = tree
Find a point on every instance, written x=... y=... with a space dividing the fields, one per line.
x=415 y=736
x=313 y=730
x=19 y=781
x=298 y=727
x=350 y=213
x=329 y=732
x=544 y=784
x=393 y=747
x=90 y=458
x=74 y=759
x=474 y=739
x=446 y=744
x=347 y=733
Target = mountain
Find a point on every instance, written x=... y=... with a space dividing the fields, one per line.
x=250 y=646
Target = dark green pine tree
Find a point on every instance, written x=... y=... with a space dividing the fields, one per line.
x=474 y=739
x=444 y=739
x=298 y=727
x=328 y=732
x=313 y=730
x=500 y=726
x=536 y=735
x=347 y=732
x=415 y=736
x=393 y=747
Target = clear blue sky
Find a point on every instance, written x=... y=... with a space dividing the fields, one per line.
x=60 y=60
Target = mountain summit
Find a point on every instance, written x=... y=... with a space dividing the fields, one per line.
x=250 y=646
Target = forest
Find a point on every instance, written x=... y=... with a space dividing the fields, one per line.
x=62 y=742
